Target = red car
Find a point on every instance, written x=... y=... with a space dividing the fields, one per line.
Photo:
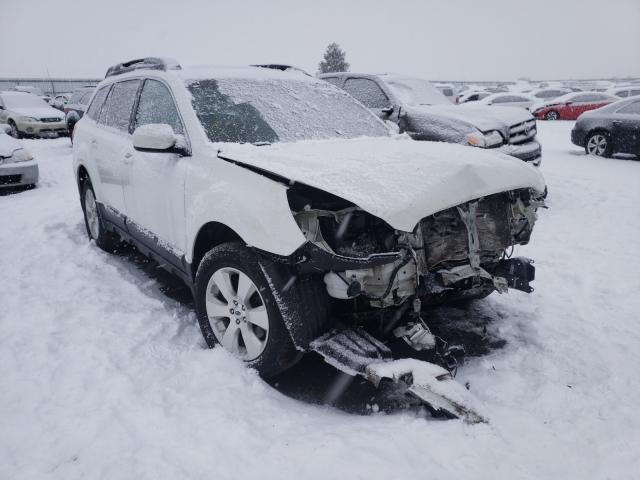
x=571 y=105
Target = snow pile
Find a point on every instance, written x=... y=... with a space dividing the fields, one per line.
x=103 y=376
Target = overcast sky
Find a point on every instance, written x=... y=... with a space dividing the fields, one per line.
x=454 y=39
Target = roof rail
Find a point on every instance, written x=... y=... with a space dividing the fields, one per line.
x=150 y=63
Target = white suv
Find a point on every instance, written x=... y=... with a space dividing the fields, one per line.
x=292 y=212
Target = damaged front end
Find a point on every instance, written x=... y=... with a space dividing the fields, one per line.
x=454 y=254
x=380 y=280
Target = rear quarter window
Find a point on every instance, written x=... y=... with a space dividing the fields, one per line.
x=96 y=104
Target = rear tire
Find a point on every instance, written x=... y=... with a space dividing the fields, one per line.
x=106 y=240
x=599 y=144
x=552 y=115
x=236 y=308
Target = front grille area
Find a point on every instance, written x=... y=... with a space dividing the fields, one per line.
x=50 y=120
x=446 y=238
x=522 y=132
x=10 y=179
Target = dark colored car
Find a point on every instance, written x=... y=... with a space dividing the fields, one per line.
x=571 y=105
x=611 y=129
x=76 y=106
x=424 y=113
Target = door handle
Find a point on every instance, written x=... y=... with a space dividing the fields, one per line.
x=127 y=155
x=94 y=142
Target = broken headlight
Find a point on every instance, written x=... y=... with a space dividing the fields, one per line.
x=337 y=225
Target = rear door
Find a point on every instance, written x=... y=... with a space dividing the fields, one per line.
x=154 y=186
x=626 y=128
x=112 y=140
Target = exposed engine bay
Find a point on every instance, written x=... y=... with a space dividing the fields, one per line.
x=461 y=249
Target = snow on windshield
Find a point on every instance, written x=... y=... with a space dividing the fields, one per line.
x=415 y=91
x=256 y=110
x=23 y=100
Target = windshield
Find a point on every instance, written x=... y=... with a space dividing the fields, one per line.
x=23 y=100
x=268 y=110
x=415 y=91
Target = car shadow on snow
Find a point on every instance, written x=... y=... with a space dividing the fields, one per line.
x=314 y=381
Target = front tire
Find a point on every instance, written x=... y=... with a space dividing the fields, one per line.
x=552 y=115
x=106 y=240
x=598 y=143
x=15 y=133
x=237 y=309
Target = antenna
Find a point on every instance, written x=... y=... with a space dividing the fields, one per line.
x=53 y=89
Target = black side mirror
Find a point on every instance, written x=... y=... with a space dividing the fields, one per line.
x=1 y=107
x=387 y=110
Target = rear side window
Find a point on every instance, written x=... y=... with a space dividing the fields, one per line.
x=367 y=92
x=86 y=97
x=156 y=105
x=98 y=100
x=633 y=108
x=75 y=98
x=116 y=112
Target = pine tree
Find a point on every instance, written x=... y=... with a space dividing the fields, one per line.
x=334 y=60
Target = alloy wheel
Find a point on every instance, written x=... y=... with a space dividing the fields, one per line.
x=597 y=145
x=237 y=313
x=91 y=212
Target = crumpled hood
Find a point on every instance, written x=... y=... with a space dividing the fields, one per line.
x=394 y=178
x=44 y=112
x=8 y=145
x=482 y=117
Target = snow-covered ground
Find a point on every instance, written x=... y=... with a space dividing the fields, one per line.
x=104 y=376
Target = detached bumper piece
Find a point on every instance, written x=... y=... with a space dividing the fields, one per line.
x=357 y=353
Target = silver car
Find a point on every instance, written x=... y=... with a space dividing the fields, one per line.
x=28 y=115
x=17 y=166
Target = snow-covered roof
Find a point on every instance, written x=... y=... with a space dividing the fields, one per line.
x=205 y=72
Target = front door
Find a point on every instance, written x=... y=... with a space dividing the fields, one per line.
x=154 y=182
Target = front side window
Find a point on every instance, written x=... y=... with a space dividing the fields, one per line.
x=633 y=108
x=623 y=93
x=367 y=92
x=156 y=105
x=256 y=110
x=117 y=110
x=633 y=93
x=94 y=109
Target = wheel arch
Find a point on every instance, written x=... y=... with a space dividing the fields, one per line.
x=210 y=235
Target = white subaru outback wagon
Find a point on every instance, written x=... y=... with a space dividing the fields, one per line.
x=299 y=222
